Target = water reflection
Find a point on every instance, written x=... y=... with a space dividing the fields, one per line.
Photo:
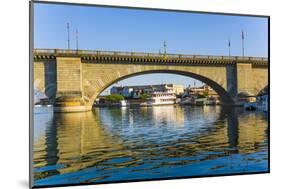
x=146 y=143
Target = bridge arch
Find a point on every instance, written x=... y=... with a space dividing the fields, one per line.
x=225 y=97
x=78 y=77
x=256 y=91
x=264 y=90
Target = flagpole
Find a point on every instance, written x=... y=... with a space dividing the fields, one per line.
x=242 y=43
x=77 y=39
x=165 y=48
x=229 y=45
x=68 y=41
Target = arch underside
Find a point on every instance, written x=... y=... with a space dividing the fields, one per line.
x=264 y=90
x=256 y=91
x=225 y=97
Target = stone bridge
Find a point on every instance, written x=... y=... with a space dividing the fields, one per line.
x=72 y=79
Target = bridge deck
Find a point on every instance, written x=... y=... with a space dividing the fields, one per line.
x=95 y=55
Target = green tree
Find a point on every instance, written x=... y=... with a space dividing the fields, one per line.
x=144 y=96
x=205 y=93
x=114 y=98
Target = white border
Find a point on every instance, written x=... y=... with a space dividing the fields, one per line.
x=14 y=79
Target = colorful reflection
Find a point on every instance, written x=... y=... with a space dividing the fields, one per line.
x=113 y=144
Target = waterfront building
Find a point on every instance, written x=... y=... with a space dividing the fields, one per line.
x=203 y=95
x=202 y=90
x=136 y=91
x=178 y=89
x=127 y=92
x=117 y=90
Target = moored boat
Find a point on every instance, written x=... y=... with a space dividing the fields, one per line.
x=161 y=98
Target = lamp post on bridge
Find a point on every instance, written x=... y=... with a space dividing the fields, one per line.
x=229 y=46
x=68 y=41
x=77 y=38
x=165 y=48
x=243 y=43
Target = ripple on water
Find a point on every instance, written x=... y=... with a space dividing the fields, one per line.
x=146 y=143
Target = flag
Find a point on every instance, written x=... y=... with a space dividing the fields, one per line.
x=242 y=35
x=229 y=43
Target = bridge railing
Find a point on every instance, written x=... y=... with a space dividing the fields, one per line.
x=44 y=51
x=142 y=54
x=87 y=52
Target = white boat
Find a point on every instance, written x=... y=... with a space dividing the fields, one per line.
x=161 y=98
x=187 y=101
x=211 y=101
x=123 y=103
x=200 y=101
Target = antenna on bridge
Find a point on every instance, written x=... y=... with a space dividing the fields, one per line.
x=229 y=46
x=68 y=41
x=77 y=38
x=165 y=48
x=243 y=43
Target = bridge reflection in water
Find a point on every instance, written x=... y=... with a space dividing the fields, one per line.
x=148 y=143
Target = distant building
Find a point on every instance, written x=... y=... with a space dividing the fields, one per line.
x=136 y=91
x=202 y=90
x=116 y=90
x=127 y=91
x=177 y=89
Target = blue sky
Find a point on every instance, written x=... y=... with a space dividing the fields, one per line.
x=142 y=30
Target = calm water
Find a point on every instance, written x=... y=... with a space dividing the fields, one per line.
x=148 y=143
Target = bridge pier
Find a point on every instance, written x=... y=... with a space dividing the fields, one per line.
x=69 y=94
